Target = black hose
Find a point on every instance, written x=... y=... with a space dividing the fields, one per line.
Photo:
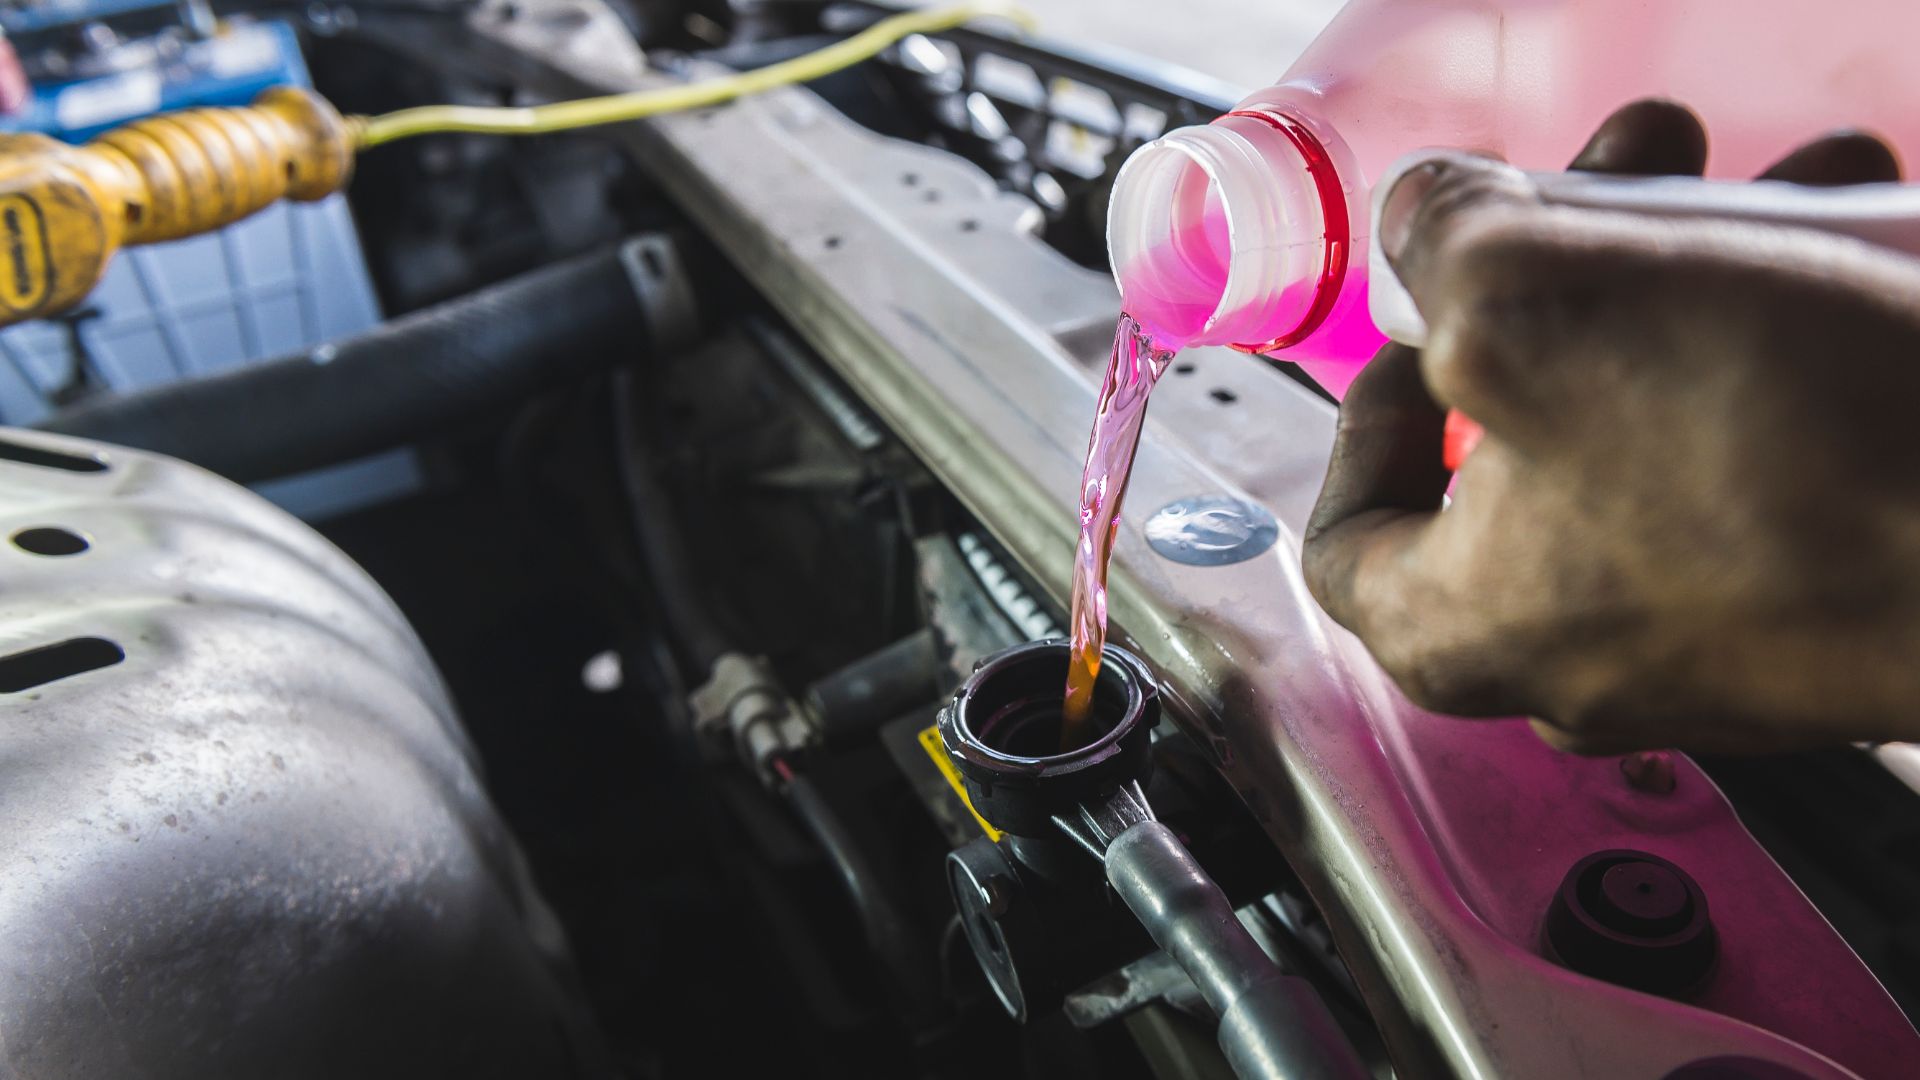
x=891 y=934
x=682 y=606
x=851 y=703
x=386 y=387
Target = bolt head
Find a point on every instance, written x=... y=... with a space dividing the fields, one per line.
x=996 y=895
x=1651 y=771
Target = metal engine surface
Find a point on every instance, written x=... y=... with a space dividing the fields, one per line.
x=257 y=845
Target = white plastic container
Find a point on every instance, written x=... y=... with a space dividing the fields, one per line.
x=1252 y=231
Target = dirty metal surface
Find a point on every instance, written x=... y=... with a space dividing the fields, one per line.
x=245 y=834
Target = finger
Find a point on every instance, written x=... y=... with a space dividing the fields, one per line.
x=1386 y=564
x=1470 y=245
x=1845 y=157
x=1470 y=242
x=1435 y=207
x=1386 y=454
x=1384 y=483
x=1539 y=316
x=1652 y=137
x=1431 y=204
x=1643 y=138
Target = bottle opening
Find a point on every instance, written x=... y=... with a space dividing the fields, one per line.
x=1175 y=286
x=1235 y=233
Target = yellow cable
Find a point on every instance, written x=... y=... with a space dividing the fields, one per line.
x=616 y=108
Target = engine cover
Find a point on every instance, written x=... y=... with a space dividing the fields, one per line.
x=245 y=833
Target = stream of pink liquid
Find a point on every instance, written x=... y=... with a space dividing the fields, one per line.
x=1135 y=366
x=1333 y=355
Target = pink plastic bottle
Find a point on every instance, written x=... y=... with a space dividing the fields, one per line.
x=1251 y=231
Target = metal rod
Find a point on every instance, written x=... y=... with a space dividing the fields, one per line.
x=1271 y=1024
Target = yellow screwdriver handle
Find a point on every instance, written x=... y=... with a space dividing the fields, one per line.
x=64 y=210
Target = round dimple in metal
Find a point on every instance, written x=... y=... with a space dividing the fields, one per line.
x=1211 y=530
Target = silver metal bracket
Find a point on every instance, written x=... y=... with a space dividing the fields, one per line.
x=665 y=292
x=1099 y=824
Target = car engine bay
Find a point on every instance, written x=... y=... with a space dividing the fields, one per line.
x=671 y=491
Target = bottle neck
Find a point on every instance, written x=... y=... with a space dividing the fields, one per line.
x=1232 y=233
x=1336 y=240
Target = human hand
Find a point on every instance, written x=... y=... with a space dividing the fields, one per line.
x=1694 y=519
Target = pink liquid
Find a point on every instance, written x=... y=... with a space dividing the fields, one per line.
x=1179 y=283
x=1336 y=352
x=1135 y=366
x=1172 y=291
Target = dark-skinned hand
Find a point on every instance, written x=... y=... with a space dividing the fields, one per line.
x=1694 y=518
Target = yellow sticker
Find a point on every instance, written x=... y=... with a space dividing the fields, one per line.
x=24 y=282
x=930 y=742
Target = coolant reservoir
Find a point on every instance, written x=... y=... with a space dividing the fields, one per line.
x=1251 y=231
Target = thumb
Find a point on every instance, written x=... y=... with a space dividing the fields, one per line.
x=1428 y=209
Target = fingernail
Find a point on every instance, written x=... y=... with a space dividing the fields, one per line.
x=1402 y=205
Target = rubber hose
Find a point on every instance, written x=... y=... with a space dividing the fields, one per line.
x=696 y=636
x=385 y=387
x=891 y=933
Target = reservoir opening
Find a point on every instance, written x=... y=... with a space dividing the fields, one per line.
x=1022 y=712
